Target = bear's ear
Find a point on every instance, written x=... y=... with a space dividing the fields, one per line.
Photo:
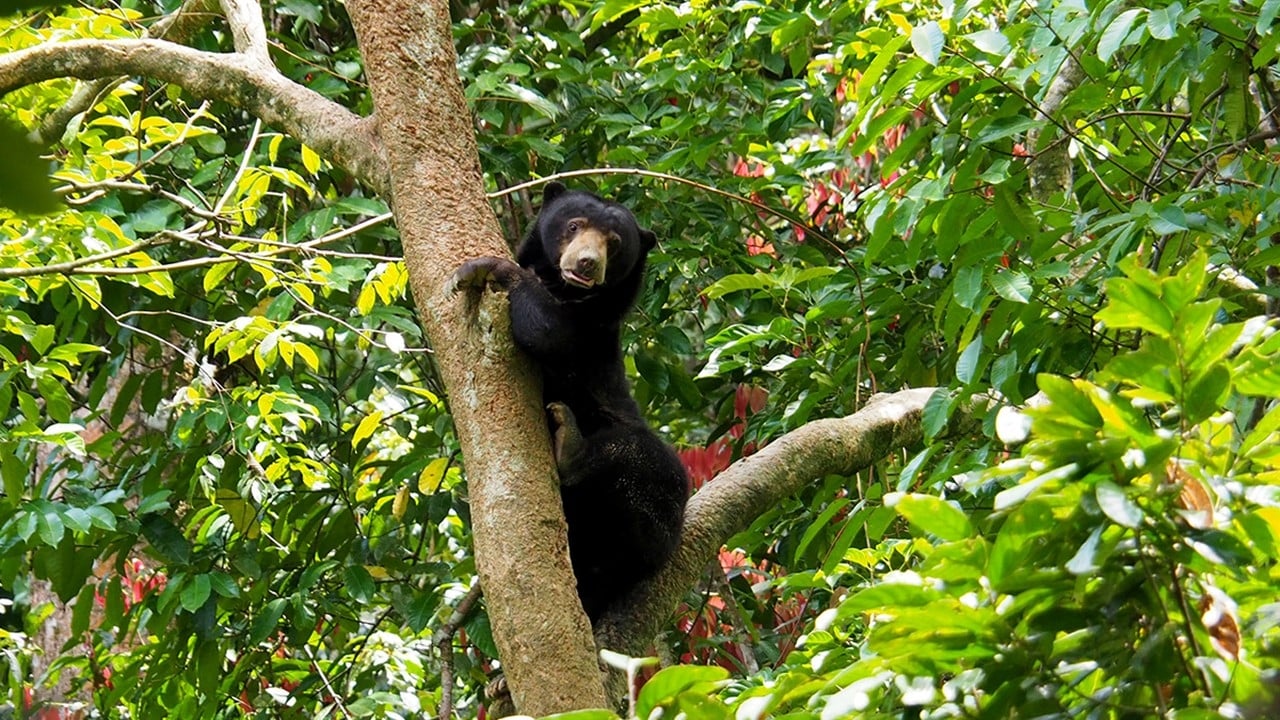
x=552 y=191
x=647 y=239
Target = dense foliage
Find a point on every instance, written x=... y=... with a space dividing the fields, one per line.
x=223 y=437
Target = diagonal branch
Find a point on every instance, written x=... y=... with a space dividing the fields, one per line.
x=333 y=131
x=749 y=487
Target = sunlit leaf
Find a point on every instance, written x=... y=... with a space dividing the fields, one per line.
x=1117 y=504
x=927 y=40
x=932 y=515
x=1114 y=36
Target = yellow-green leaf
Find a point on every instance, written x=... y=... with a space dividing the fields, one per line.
x=366 y=427
x=308 y=355
x=364 y=303
x=310 y=160
x=216 y=274
x=432 y=474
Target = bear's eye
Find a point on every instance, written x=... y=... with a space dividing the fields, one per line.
x=574 y=226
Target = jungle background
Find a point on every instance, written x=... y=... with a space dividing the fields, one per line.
x=232 y=484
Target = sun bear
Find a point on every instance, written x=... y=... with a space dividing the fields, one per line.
x=623 y=489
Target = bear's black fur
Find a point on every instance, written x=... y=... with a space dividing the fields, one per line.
x=623 y=488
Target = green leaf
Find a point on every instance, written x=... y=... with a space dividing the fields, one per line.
x=42 y=337
x=1162 y=23
x=927 y=41
x=223 y=584
x=1206 y=394
x=887 y=54
x=1117 y=505
x=80 y=612
x=819 y=524
x=195 y=592
x=1261 y=440
x=1257 y=374
x=999 y=129
x=967 y=364
x=738 y=283
x=101 y=517
x=1266 y=16
x=1168 y=220
x=932 y=515
x=166 y=538
x=886 y=595
x=1114 y=36
x=671 y=681
x=216 y=275
x=1085 y=561
x=937 y=411
x=76 y=519
x=71 y=352
x=1069 y=398
x=990 y=41
x=968 y=286
x=480 y=632
x=266 y=620
x=155 y=502
x=1133 y=306
x=1010 y=563
x=359 y=583
x=419 y=611
x=1012 y=285
x=49 y=524
x=536 y=102
x=113 y=607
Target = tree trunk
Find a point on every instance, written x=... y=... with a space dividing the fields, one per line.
x=521 y=547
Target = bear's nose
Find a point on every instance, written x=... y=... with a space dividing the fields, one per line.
x=587 y=265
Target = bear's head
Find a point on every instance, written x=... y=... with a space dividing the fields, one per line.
x=582 y=244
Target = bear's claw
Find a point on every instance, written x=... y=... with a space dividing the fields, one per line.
x=482 y=271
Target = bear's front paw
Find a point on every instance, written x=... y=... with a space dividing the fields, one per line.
x=475 y=274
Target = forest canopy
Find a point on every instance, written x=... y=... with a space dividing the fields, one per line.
x=970 y=308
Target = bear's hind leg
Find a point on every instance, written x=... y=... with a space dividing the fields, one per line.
x=569 y=446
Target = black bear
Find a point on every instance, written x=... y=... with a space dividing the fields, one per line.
x=623 y=488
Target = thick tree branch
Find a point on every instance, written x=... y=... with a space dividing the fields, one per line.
x=1051 y=163
x=749 y=487
x=518 y=530
x=179 y=25
x=330 y=129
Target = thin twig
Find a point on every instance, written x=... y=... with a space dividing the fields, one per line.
x=244 y=166
x=67 y=267
x=229 y=256
x=125 y=186
x=324 y=680
x=443 y=641
x=782 y=215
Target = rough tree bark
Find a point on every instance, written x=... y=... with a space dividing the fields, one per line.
x=518 y=529
x=1051 y=167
